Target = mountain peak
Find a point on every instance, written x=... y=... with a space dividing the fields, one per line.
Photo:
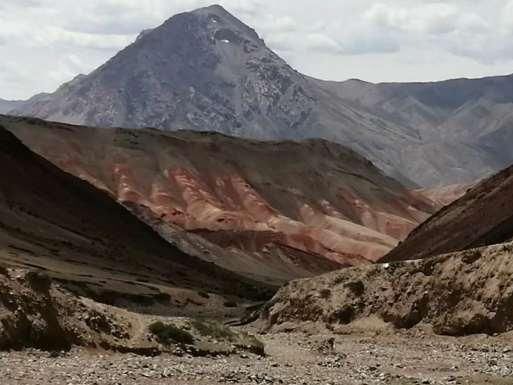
x=200 y=70
x=210 y=24
x=214 y=8
x=217 y=13
x=217 y=18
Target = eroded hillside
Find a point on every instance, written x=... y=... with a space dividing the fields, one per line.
x=270 y=200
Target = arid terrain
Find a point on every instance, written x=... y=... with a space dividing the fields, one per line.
x=56 y=224
x=124 y=348
x=195 y=211
x=408 y=358
x=445 y=195
x=483 y=216
x=283 y=209
x=458 y=294
x=174 y=281
x=146 y=300
x=74 y=340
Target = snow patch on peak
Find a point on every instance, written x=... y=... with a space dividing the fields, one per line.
x=143 y=33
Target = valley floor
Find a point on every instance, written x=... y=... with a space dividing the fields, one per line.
x=413 y=357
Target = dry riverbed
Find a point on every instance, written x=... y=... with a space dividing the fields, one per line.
x=413 y=357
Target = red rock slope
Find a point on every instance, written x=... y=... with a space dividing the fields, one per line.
x=483 y=216
x=53 y=221
x=315 y=196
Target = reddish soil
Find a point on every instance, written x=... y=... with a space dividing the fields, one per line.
x=313 y=197
x=53 y=221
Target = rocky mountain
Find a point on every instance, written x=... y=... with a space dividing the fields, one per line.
x=9 y=105
x=463 y=125
x=53 y=222
x=483 y=216
x=206 y=70
x=285 y=209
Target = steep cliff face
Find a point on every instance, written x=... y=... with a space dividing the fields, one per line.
x=311 y=197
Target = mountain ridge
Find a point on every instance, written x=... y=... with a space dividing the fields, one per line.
x=206 y=70
x=324 y=199
x=54 y=222
x=10 y=105
x=482 y=217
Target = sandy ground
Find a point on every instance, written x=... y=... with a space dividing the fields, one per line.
x=406 y=358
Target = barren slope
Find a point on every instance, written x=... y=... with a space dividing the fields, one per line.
x=56 y=222
x=462 y=293
x=463 y=126
x=483 y=216
x=445 y=195
x=274 y=199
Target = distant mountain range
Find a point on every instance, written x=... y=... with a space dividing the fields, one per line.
x=464 y=126
x=206 y=70
x=9 y=105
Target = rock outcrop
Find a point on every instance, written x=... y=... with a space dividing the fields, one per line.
x=457 y=294
x=37 y=313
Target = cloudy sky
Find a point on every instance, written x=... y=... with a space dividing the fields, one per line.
x=46 y=42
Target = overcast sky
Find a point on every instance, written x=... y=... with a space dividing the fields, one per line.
x=44 y=43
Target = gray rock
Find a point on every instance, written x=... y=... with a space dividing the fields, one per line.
x=206 y=70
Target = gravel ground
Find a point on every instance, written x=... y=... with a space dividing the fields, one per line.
x=407 y=358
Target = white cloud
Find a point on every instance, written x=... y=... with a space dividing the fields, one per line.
x=435 y=18
x=322 y=42
x=507 y=16
x=473 y=23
